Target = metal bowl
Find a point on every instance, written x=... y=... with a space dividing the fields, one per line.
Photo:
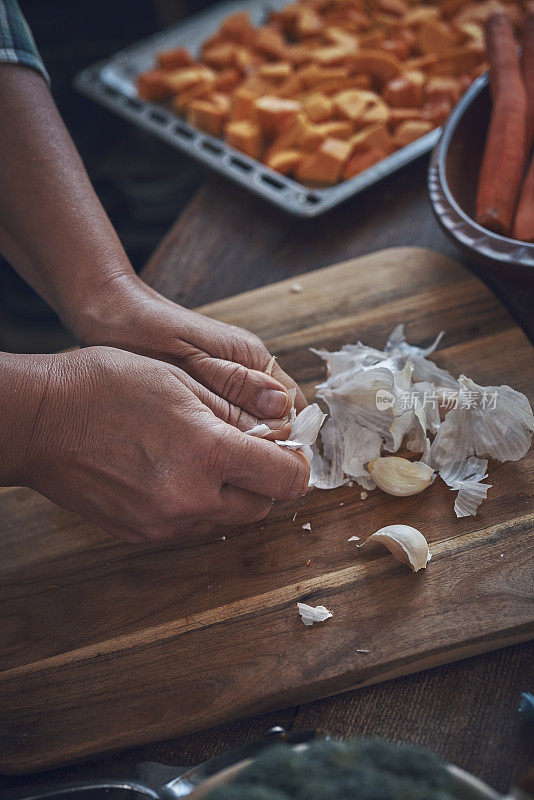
x=464 y=785
x=452 y=183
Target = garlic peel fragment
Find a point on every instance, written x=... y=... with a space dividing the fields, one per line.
x=260 y=430
x=495 y=421
x=470 y=496
x=309 y=614
x=407 y=544
x=401 y=477
x=305 y=427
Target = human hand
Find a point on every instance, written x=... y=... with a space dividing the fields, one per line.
x=139 y=447
x=227 y=360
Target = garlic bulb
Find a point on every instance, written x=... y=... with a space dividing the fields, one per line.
x=405 y=543
x=399 y=476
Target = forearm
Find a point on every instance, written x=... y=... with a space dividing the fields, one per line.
x=23 y=382
x=56 y=233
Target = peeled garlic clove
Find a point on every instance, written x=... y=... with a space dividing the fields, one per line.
x=405 y=543
x=399 y=476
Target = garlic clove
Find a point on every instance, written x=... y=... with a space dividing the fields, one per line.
x=401 y=477
x=407 y=544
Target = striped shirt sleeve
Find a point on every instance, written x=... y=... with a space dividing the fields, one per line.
x=17 y=45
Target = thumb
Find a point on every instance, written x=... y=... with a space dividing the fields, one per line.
x=255 y=392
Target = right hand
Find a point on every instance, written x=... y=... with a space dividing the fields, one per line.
x=138 y=447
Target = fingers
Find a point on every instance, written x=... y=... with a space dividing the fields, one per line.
x=289 y=383
x=240 y=507
x=263 y=467
x=255 y=392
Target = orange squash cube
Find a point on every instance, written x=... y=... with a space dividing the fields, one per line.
x=338 y=128
x=377 y=136
x=381 y=65
x=284 y=161
x=273 y=112
x=152 y=85
x=405 y=90
x=220 y=56
x=208 y=115
x=245 y=135
x=361 y=161
x=318 y=106
x=269 y=41
x=435 y=36
x=183 y=79
x=279 y=71
x=243 y=104
x=237 y=27
x=226 y=80
x=411 y=130
x=324 y=167
x=175 y=58
x=443 y=87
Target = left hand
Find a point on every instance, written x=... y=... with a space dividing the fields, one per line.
x=227 y=360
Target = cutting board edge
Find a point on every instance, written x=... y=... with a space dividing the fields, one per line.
x=31 y=765
x=316 y=273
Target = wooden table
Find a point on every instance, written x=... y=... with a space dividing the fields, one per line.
x=227 y=241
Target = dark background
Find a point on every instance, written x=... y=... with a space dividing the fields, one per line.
x=142 y=183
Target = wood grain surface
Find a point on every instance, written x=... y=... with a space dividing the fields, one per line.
x=127 y=644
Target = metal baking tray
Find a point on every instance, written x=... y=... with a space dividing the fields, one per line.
x=112 y=84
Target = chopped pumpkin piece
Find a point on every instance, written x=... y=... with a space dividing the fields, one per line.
x=443 y=87
x=377 y=63
x=284 y=161
x=245 y=135
x=153 y=86
x=208 y=115
x=237 y=27
x=220 y=55
x=243 y=104
x=361 y=106
x=269 y=41
x=435 y=37
x=376 y=135
x=324 y=167
x=275 y=72
x=338 y=128
x=361 y=161
x=226 y=80
x=319 y=107
x=458 y=60
x=182 y=79
x=274 y=111
x=314 y=74
x=181 y=100
x=175 y=58
x=396 y=7
x=405 y=91
x=411 y=130
x=345 y=40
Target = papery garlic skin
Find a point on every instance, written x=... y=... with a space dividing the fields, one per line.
x=309 y=614
x=407 y=544
x=503 y=432
x=401 y=477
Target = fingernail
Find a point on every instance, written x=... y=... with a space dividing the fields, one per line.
x=272 y=403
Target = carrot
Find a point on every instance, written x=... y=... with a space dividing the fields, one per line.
x=505 y=152
x=527 y=65
x=524 y=216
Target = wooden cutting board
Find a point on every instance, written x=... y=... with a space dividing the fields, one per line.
x=105 y=645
